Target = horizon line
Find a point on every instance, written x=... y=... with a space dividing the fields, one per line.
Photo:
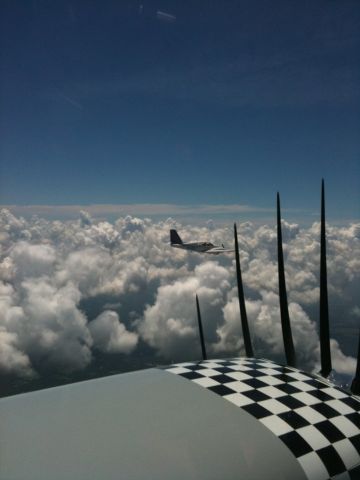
x=101 y=210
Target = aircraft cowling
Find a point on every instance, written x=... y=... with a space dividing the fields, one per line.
x=224 y=418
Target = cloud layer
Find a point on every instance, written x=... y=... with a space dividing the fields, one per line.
x=71 y=289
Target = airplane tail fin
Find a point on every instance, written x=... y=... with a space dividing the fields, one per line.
x=174 y=237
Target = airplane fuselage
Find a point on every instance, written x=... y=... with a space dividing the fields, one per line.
x=199 y=247
x=196 y=246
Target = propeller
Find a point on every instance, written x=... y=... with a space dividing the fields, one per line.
x=355 y=386
x=284 y=310
x=203 y=349
x=325 y=353
x=243 y=315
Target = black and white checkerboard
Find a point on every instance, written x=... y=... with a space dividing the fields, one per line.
x=317 y=421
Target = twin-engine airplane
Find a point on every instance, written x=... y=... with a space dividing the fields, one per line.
x=200 y=247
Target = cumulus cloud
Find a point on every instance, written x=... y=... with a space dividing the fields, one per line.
x=85 y=268
x=85 y=218
x=169 y=324
x=70 y=288
x=32 y=260
x=110 y=335
x=11 y=358
x=51 y=329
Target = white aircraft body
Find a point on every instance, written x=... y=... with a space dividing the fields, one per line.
x=200 y=247
x=223 y=419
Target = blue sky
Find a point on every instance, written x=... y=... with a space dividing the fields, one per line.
x=221 y=103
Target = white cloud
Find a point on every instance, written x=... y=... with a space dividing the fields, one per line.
x=265 y=326
x=85 y=267
x=11 y=358
x=110 y=335
x=51 y=271
x=170 y=324
x=341 y=363
x=85 y=218
x=32 y=260
x=54 y=330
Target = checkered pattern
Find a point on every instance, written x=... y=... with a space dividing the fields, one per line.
x=316 y=420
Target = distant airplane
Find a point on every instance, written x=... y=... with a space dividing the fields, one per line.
x=200 y=247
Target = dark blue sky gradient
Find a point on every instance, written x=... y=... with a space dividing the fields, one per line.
x=108 y=102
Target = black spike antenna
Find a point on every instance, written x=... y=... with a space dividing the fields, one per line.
x=355 y=386
x=284 y=310
x=325 y=352
x=243 y=315
x=203 y=349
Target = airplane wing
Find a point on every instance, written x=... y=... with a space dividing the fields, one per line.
x=218 y=250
